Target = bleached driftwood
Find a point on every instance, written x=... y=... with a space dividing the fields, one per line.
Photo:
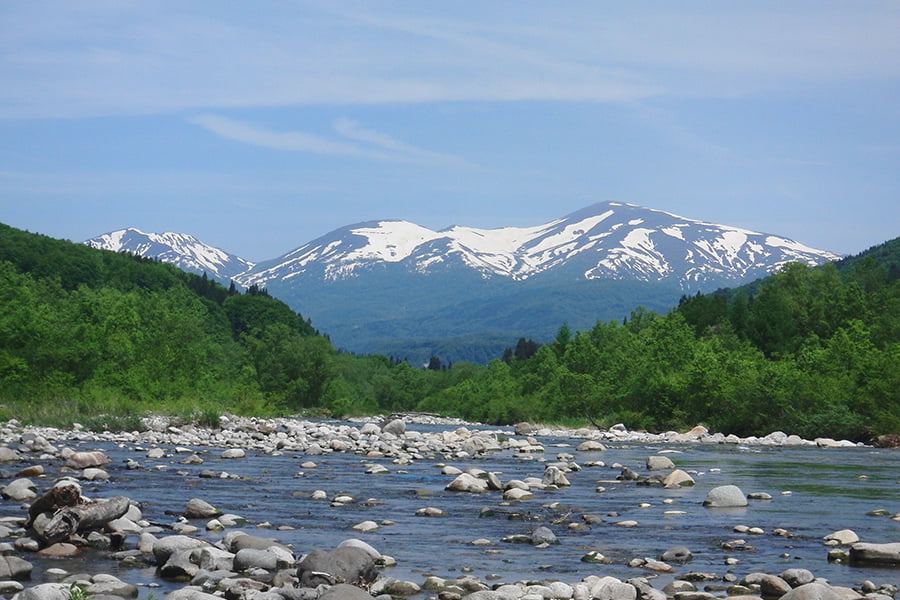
x=65 y=493
x=83 y=517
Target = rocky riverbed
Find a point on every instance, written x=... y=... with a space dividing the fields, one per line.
x=421 y=507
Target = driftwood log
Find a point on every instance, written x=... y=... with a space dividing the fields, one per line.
x=83 y=517
x=63 y=511
x=65 y=493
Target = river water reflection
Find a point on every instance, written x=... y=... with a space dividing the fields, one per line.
x=814 y=492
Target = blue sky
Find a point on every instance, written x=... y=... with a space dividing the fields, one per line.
x=259 y=126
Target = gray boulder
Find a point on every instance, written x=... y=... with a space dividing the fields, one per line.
x=344 y=591
x=190 y=593
x=20 y=490
x=181 y=565
x=109 y=585
x=45 y=591
x=797 y=577
x=165 y=547
x=13 y=567
x=390 y=587
x=466 y=482
x=875 y=554
x=239 y=540
x=250 y=558
x=375 y=554
x=659 y=463
x=725 y=496
x=198 y=508
x=212 y=559
x=7 y=454
x=678 y=478
x=523 y=428
x=772 y=586
x=553 y=475
x=844 y=537
x=676 y=554
x=543 y=535
x=645 y=590
x=83 y=460
x=591 y=446
x=610 y=588
x=395 y=427
x=346 y=564
x=94 y=474
x=813 y=591
x=493 y=482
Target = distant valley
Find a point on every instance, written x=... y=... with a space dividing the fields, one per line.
x=396 y=288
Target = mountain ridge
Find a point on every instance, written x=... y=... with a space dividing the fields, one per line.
x=181 y=249
x=358 y=282
x=605 y=240
x=713 y=251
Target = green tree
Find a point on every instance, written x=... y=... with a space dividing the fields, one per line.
x=563 y=337
x=254 y=311
x=294 y=371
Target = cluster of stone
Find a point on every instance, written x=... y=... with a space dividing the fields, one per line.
x=246 y=566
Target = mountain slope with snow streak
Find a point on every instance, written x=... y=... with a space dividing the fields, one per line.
x=603 y=241
x=396 y=288
x=183 y=250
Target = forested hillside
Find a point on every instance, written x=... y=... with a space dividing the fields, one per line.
x=815 y=352
x=101 y=338
x=84 y=331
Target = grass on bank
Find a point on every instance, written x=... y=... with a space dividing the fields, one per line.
x=110 y=412
x=113 y=413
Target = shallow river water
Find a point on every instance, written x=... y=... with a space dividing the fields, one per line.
x=814 y=492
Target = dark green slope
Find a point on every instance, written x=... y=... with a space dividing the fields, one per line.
x=394 y=315
x=86 y=331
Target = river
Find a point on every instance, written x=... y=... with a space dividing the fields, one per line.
x=813 y=491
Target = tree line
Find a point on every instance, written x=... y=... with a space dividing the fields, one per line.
x=813 y=351
x=89 y=333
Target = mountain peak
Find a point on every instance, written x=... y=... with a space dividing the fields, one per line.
x=379 y=286
x=607 y=240
x=181 y=249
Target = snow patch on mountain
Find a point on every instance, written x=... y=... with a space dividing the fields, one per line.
x=610 y=240
x=390 y=241
x=181 y=249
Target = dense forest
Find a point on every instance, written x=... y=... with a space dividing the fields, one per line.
x=102 y=338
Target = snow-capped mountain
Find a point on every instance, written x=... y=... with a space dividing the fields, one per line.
x=603 y=241
x=396 y=288
x=183 y=250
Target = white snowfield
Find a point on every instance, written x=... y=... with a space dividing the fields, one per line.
x=183 y=250
x=610 y=240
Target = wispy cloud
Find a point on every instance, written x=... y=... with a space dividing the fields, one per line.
x=357 y=142
x=396 y=149
x=294 y=141
x=99 y=58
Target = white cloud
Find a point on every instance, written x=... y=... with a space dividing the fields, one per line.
x=95 y=57
x=397 y=149
x=365 y=143
x=257 y=136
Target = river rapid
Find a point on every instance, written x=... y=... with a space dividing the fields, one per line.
x=814 y=492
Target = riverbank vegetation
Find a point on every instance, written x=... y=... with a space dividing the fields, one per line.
x=102 y=338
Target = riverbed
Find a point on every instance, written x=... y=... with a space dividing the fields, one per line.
x=814 y=492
